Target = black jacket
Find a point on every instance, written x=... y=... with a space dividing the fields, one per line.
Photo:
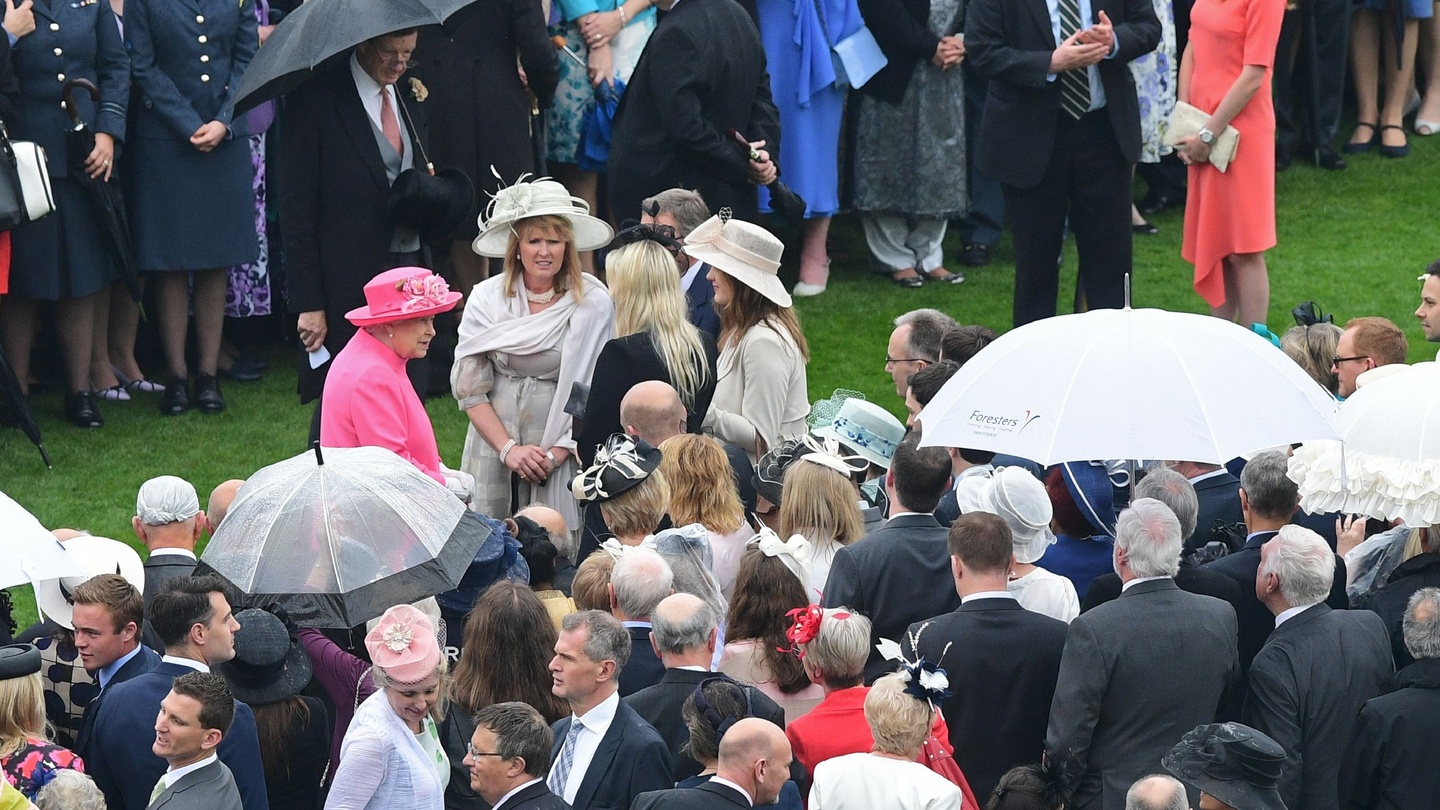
x=1219 y=498
x=1190 y=577
x=703 y=72
x=644 y=667
x=898 y=575
x=1393 y=762
x=1002 y=663
x=902 y=31
x=631 y=759
x=1420 y=571
x=660 y=705
x=534 y=797
x=708 y=796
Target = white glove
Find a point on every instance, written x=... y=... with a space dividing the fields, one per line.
x=459 y=482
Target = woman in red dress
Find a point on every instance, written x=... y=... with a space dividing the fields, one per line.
x=1230 y=215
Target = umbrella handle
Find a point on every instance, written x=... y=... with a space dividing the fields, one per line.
x=69 y=95
x=743 y=141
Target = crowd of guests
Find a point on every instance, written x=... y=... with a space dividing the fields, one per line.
x=811 y=611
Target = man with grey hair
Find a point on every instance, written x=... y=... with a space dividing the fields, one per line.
x=1268 y=500
x=1317 y=670
x=684 y=210
x=604 y=754
x=683 y=633
x=168 y=521
x=641 y=578
x=1138 y=672
x=1158 y=792
x=1392 y=760
x=1175 y=491
x=508 y=756
x=1218 y=492
x=554 y=525
x=915 y=344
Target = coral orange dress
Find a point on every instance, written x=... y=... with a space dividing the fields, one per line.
x=1233 y=211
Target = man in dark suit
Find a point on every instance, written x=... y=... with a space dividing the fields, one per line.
x=898 y=575
x=604 y=753
x=1315 y=673
x=168 y=521
x=1061 y=132
x=508 y=756
x=1127 y=690
x=194 y=620
x=683 y=632
x=702 y=73
x=638 y=582
x=754 y=764
x=108 y=613
x=1006 y=659
x=1268 y=499
x=684 y=210
x=1219 y=494
x=193 y=719
x=1170 y=488
x=348 y=134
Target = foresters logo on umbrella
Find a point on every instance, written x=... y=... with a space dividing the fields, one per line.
x=992 y=424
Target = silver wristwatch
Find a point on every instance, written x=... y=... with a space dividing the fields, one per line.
x=1206 y=136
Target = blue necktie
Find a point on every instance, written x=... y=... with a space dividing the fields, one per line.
x=560 y=772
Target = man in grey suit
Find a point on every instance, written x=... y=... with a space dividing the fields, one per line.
x=1316 y=671
x=193 y=719
x=1138 y=672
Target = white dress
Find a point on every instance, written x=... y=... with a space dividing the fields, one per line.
x=872 y=782
x=1044 y=592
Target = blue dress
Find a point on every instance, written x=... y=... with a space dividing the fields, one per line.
x=802 y=84
x=1079 y=559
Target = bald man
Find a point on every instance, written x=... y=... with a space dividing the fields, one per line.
x=1158 y=792
x=652 y=411
x=554 y=525
x=219 y=504
x=754 y=764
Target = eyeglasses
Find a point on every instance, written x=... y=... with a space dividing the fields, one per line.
x=394 y=60
x=890 y=361
x=470 y=751
x=1335 y=361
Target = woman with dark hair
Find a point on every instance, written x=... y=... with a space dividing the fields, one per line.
x=715 y=705
x=509 y=641
x=1028 y=787
x=540 y=555
x=766 y=589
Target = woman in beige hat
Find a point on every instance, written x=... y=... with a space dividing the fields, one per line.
x=528 y=336
x=760 y=397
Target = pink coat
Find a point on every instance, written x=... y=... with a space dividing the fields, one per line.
x=369 y=402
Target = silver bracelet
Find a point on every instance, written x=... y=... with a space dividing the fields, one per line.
x=623 y=22
x=551 y=456
x=505 y=451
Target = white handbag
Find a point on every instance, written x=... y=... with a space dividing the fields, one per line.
x=34 y=179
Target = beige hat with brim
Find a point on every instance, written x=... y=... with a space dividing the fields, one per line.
x=537 y=198
x=745 y=252
x=96 y=555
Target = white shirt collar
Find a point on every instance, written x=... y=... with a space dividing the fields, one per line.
x=1287 y=615
x=198 y=666
x=515 y=790
x=599 y=718
x=690 y=275
x=108 y=671
x=987 y=595
x=630 y=624
x=894 y=515
x=364 y=82
x=173 y=776
x=693 y=668
x=1211 y=474
x=173 y=552
x=1137 y=581
x=720 y=780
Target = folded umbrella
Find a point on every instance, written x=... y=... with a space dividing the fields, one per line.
x=597 y=127
x=104 y=194
x=783 y=201
x=20 y=408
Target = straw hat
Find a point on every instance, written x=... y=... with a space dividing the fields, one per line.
x=96 y=555
x=745 y=252
x=537 y=198
x=401 y=294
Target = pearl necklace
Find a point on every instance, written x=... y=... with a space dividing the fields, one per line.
x=541 y=298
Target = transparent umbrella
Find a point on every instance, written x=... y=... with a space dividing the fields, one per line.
x=30 y=552
x=338 y=535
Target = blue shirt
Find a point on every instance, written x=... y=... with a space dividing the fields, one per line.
x=1097 y=90
x=108 y=671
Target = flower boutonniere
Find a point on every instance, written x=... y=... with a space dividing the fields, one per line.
x=418 y=90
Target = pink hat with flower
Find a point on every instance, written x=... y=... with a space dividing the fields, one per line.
x=403 y=644
x=401 y=294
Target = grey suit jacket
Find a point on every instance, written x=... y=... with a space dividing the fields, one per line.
x=1136 y=674
x=209 y=788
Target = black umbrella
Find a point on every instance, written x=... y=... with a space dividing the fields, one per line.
x=20 y=408
x=320 y=30
x=104 y=194
x=783 y=200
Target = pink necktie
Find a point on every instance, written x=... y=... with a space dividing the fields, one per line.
x=389 y=126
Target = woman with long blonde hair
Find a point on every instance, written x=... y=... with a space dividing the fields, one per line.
x=703 y=490
x=654 y=339
x=820 y=503
x=27 y=757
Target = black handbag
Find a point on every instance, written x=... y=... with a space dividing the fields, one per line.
x=25 y=193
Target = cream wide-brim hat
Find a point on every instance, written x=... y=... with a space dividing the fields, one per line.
x=96 y=555
x=537 y=198
x=747 y=253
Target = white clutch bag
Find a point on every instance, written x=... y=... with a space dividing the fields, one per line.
x=1188 y=119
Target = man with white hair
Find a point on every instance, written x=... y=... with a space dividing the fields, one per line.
x=1158 y=792
x=1139 y=672
x=641 y=579
x=1392 y=760
x=168 y=521
x=1316 y=671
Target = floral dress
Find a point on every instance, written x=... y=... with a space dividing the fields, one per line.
x=33 y=766
x=1155 y=87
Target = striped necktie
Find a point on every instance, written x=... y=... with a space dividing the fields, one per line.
x=1074 y=84
x=560 y=772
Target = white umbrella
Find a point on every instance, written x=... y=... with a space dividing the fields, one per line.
x=1128 y=383
x=30 y=552
x=1389 y=464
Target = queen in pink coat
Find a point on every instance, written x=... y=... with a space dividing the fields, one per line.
x=368 y=400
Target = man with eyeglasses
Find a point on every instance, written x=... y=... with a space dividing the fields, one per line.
x=508 y=756
x=1366 y=343
x=915 y=344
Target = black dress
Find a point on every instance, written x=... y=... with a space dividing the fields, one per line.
x=308 y=754
x=622 y=363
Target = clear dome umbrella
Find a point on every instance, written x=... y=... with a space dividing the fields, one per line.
x=337 y=535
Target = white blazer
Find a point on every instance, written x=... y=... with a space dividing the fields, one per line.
x=382 y=765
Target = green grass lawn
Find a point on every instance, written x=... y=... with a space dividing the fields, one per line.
x=1352 y=241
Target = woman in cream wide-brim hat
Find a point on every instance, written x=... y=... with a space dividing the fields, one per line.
x=760 y=396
